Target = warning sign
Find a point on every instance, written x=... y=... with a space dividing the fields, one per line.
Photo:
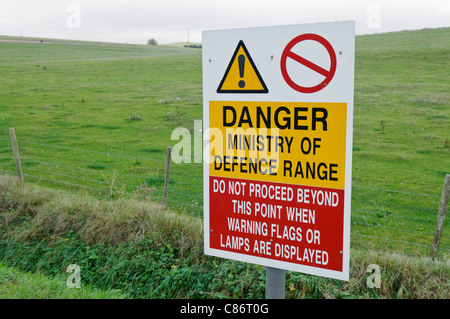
x=241 y=75
x=277 y=165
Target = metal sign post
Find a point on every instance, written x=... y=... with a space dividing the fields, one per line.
x=275 y=283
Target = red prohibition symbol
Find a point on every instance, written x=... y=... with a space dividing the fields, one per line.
x=328 y=74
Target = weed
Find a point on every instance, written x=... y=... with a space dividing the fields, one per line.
x=145 y=192
x=135 y=117
x=383 y=125
x=175 y=116
x=96 y=166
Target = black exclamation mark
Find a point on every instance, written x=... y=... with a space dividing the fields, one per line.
x=241 y=61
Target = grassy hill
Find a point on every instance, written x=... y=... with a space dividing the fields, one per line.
x=98 y=118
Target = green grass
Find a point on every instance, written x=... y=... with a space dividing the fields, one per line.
x=401 y=132
x=89 y=97
x=100 y=116
x=16 y=284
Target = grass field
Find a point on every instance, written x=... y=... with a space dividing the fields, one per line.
x=122 y=100
x=99 y=117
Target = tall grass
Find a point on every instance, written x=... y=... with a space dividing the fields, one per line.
x=54 y=214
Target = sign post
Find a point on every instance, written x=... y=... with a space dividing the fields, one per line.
x=278 y=114
x=275 y=283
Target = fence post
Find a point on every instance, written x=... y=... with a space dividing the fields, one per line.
x=166 y=178
x=441 y=217
x=15 y=148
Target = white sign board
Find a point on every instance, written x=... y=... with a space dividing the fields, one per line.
x=278 y=114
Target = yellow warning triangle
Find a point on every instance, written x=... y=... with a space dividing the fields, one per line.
x=242 y=76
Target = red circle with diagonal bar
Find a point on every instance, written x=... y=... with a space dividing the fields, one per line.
x=328 y=74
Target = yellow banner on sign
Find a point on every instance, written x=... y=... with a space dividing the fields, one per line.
x=286 y=142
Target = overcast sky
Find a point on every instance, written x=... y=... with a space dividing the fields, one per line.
x=168 y=21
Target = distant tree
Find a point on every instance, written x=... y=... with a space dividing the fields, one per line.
x=152 y=41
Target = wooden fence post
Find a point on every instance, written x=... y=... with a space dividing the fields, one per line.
x=15 y=148
x=441 y=217
x=166 y=178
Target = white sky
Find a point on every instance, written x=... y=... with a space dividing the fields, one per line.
x=136 y=21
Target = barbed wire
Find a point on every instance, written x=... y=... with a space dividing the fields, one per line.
x=88 y=187
x=385 y=181
x=179 y=174
x=185 y=178
x=394 y=216
x=389 y=206
x=200 y=165
x=393 y=228
x=394 y=191
x=92 y=151
x=83 y=169
x=79 y=177
x=398 y=241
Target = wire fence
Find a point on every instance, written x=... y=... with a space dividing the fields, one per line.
x=390 y=216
